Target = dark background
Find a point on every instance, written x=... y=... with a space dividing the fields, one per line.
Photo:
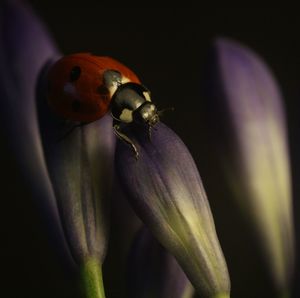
x=166 y=47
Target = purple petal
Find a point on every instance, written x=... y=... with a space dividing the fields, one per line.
x=154 y=272
x=166 y=191
x=25 y=48
x=124 y=226
x=80 y=165
x=71 y=178
x=246 y=121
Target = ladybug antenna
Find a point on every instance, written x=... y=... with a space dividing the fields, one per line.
x=161 y=112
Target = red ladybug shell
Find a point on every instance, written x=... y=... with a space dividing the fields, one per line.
x=76 y=89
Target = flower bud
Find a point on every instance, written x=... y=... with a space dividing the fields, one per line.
x=166 y=191
x=246 y=122
x=153 y=272
x=70 y=176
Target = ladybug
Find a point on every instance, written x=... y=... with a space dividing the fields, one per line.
x=83 y=88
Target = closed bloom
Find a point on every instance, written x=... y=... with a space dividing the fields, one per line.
x=153 y=272
x=166 y=191
x=70 y=176
x=247 y=122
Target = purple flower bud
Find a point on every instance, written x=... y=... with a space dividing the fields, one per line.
x=153 y=272
x=248 y=133
x=80 y=166
x=71 y=177
x=166 y=191
x=21 y=59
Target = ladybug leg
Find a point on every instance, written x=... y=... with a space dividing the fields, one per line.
x=125 y=139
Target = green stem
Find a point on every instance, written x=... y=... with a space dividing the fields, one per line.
x=91 y=279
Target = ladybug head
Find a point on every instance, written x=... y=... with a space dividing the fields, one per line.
x=146 y=114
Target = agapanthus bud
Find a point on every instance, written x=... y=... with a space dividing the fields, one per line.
x=21 y=59
x=70 y=175
x=153 y=272
x=80 y=166
x=166 y=191
x=246 y=122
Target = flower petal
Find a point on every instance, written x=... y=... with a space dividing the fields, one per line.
x=153 y=272
x=80 y=165
x=166 y=191
x=71 y=179
x=247 y=122
x=25 y=47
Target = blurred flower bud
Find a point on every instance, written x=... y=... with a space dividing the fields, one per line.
x=246 y=122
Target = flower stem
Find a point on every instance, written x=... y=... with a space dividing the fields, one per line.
x=91 y=279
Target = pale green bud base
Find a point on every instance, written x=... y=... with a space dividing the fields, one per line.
x=284 y=294
x=189 y=291
x=91 y=279
x=221 y=295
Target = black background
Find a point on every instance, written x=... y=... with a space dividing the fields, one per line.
x=166 y=47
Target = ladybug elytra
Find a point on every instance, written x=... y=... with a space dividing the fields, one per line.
x=83 y=88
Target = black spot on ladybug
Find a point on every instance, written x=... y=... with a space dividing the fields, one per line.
x=75 y=73
x=76 y=105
